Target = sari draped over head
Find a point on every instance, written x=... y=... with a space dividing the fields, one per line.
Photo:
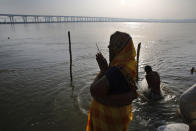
x=108 y=118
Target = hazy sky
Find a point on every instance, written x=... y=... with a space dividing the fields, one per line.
x=162 y=9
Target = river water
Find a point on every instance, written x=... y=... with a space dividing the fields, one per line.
x=35 y=90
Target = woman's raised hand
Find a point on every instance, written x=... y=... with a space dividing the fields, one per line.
x=102 y=62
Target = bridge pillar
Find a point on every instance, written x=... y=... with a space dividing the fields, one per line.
x=35 y=19
x=38 y=19
x=65 y=19
x=47 y=19
x=50 y=19
x=59 y=19
x=11 y=19
x=24 y=19
x=73 y=19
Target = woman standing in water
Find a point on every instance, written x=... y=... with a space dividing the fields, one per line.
x=113 y=90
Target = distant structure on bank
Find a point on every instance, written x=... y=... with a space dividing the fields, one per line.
x=16 y=19
x=24 y=19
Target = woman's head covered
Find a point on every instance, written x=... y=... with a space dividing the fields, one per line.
x=118 y=42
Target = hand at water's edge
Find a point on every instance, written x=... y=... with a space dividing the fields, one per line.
x=102 y=62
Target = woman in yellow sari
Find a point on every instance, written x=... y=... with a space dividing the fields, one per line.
x=113 y=90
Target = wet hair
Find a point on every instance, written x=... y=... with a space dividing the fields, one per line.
x=148 y=68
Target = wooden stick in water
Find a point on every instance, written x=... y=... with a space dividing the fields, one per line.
x=98 y=48
x=138 y=55
x=70 y=53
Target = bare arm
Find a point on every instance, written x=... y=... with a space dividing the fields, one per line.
x=100 y=87
x=122 y=99
x=149 y=81
x=99 y=91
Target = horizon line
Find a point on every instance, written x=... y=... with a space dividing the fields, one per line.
x=8 y=14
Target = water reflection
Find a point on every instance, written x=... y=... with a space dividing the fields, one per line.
x=35 y=91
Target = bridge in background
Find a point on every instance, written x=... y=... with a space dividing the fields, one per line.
x=24 y=19
x=18 y=18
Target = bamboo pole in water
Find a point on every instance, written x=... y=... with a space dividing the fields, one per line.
x=70 y=53
x=138 y=55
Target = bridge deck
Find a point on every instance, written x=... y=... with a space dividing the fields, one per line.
x=22 y=18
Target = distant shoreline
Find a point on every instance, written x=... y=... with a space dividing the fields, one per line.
x=29 y=19
x=142 y=21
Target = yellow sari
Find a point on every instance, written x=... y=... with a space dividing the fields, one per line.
x=107 y=118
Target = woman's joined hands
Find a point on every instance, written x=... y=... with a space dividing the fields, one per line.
x=102 y=62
